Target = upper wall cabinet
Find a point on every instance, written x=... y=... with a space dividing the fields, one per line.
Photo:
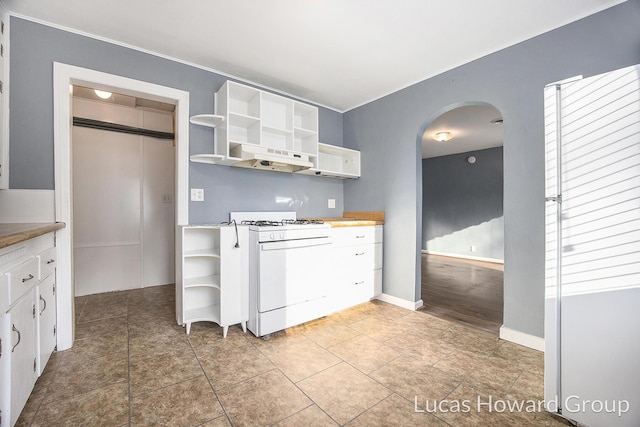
x=262 y=130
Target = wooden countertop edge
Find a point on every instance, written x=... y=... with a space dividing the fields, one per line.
x=353 y=223
x=12 y=233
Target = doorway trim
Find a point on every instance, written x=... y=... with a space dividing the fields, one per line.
x=64 y=76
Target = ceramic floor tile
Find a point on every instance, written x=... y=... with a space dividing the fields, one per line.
x=421 y=322
x=395 y=411
x=364 y=353
x=300 y=360
x=387 y=311
x=311 y=416
x=154 y=344
x=221 y=421
x=100 y=328
x=528 y=386
x=31 y=407
x=377 y=328
x=355 y=314
x=232 y=365
x=188 y=403
x=208 y=335
x=108 y=406
x=86 y=349
x=330 y=333
x=459 y=363
x=411 y=378
x=98 y=311
x=159 y=371
x=525 y=358
x=469 y=339
x=496 y=377
x=343 y=392
x=427 y=348
x=262 y=400
x=76 y=378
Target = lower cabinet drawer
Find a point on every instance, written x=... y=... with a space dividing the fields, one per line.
x=22 y=278
x=47 y=261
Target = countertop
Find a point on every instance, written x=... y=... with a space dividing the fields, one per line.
x=356 y=219
x=12 y=233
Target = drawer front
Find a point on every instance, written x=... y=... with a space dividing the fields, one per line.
x=47 y=261
x=356 y=235
x=22 y=278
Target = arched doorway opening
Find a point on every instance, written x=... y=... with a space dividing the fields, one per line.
x=462 y=241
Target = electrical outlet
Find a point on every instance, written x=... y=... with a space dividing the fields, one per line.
x=473 y=248
x=197 y=194
x=332 y=203
x=167 y=198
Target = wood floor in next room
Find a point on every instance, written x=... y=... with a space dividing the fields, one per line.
x=465 y=291
x=131 y=365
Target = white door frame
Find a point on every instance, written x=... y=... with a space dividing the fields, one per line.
x=64 y=76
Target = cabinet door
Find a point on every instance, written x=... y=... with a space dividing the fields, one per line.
x=22 y=318
x=5 y=367
x=46 y=321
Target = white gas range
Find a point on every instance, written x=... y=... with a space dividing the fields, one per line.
x=289 y=280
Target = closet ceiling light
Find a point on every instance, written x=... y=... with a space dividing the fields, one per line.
x=102 y=94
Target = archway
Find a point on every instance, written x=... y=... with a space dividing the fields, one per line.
x=462 y=237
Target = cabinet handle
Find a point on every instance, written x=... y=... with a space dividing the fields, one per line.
x=360 y=237
x=359 y=253
x=360 y=283
x=14 y=329
x=45 y=305
x=51 y=261
x=26 y=279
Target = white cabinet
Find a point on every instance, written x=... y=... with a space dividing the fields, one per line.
x=22 y=320
x=335 y=162
x=46 y=313
x=28 y=311
x=254 y=128
x=357 y=253
x=213 y=275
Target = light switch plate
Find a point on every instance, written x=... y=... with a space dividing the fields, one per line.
x=332 y=203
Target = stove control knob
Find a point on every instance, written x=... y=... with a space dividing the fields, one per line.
x=282 y=235
x=272 y=236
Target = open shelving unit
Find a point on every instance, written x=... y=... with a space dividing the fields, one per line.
x=250 y=122
x=212 y=281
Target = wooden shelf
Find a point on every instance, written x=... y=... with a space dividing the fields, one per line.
x=211 y=281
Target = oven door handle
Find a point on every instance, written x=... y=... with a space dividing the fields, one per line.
x=291 y=244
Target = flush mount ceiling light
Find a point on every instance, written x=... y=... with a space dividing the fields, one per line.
x=443 y=136
x=102 y=94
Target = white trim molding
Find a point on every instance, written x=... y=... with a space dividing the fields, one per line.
x=65 y=76
x=409 y=305
x=521 y=338
x=474 y=258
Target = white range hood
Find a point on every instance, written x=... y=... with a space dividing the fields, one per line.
x=257 y=157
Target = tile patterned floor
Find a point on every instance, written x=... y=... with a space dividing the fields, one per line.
x=371 y=365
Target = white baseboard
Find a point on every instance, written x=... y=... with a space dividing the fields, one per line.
x=521 y=338
x=22 y=206
x=475 y=258
x=409 y=305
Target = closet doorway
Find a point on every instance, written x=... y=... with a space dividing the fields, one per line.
x=123 y=153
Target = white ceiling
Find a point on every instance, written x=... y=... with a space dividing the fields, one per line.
x=336 y=53
x=471 y=127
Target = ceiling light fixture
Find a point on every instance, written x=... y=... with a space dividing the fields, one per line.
x=443 y=136
x=103 y=94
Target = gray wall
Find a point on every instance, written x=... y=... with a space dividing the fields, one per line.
x=388 y=132
x=462 y=204
x=35 y=47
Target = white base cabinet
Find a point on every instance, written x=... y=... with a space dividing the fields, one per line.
x=28 y=319
x=212 y=282
x=357 y=253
